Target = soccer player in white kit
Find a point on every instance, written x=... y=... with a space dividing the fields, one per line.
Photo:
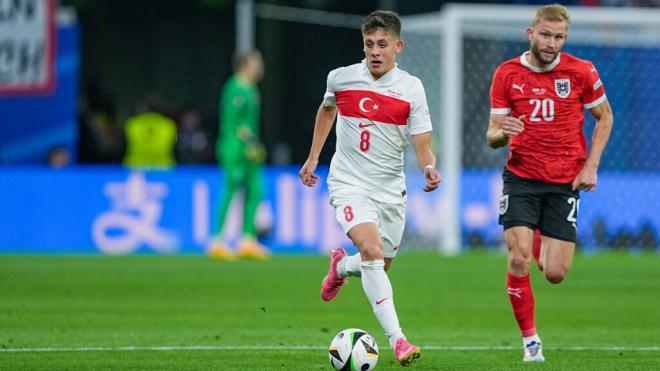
x=378 y=106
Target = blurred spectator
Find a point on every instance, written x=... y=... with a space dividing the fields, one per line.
x=100 y=133
x=241 y=154
x=150 y=137
x=647 y=239
x=193 y=144
x=59 y=157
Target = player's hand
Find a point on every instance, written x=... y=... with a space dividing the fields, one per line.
x=306 y=173
x=512 y=126
x=245 y=133
x=256 y=153
x=433 y=179
x=586 y=180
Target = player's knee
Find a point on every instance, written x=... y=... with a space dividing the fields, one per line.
x=519 y=260
x=519 y=263
x=555 y=275
x=519 y=255
x=371 y=251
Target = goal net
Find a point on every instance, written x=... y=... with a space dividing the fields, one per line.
x=455 y=52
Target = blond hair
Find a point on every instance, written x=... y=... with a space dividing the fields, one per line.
x=552 y=13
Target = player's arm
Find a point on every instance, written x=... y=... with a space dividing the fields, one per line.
x=501 y=128
x=587 y=178
x=426 y=160
x=501 y=125
x=234 y=111
x=244 y=130
x=325 y=117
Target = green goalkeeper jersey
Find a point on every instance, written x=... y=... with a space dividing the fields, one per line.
x=239 y=121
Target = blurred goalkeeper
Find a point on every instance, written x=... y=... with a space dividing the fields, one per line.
x=241 y=154
x=537 y=108
x=379 y=108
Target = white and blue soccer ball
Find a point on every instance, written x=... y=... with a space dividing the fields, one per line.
x=353 y=349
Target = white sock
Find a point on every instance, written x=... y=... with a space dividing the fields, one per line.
x=350 y=266
x=376 y=285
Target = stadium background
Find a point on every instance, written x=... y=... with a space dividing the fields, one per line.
x=110 y=54
x=66 y=304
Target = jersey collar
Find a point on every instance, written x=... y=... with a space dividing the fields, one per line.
x=386 y=79
x=523 y=61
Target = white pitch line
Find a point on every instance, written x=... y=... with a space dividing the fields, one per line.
x=307 y=347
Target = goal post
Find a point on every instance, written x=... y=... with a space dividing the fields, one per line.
x=473 y=39
x=455 y=50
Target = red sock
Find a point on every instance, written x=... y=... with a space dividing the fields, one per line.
x=536 y=248
x=522 y=301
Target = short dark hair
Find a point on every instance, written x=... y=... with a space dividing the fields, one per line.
x=385 y=19
x=241 y=59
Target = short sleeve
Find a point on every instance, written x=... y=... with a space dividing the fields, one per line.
x=594 y=91
x=500 y=103
x=419 y=120
x=329 y=99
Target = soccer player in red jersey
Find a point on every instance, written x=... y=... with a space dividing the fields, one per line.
x=537 y=108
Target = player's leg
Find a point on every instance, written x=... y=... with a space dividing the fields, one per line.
x=558 y=257
x=519 y=242
x=375 y=282
x=253 y=192
x=520 y=208
x=388 y=263
x=536 y=249
x=233 y=177
x=391 y=223
x=350 y=265
x=351 y=209
x=558 y=224
x=249 y=246
x=519 y=288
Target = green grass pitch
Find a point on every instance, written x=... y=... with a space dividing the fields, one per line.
x=190 y=312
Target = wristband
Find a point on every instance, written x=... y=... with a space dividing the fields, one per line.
x=429 y=166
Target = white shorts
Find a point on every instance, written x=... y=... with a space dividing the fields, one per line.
x=357 y=209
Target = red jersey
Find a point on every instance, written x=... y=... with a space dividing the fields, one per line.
x=552 y=148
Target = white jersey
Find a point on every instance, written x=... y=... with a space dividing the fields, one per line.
x=374 y=120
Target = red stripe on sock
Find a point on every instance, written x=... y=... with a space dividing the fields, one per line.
x=529 y=332
x=522 y=301
x=536 y=249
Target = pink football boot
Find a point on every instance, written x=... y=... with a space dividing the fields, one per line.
x=332 y=282
x=406 y=353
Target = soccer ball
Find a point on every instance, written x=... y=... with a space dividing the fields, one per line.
x=353 y=349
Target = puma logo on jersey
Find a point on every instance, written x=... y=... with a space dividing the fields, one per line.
x=519 y=87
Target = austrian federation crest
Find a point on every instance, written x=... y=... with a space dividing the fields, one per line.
x=504 y=204
x=563 y=87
